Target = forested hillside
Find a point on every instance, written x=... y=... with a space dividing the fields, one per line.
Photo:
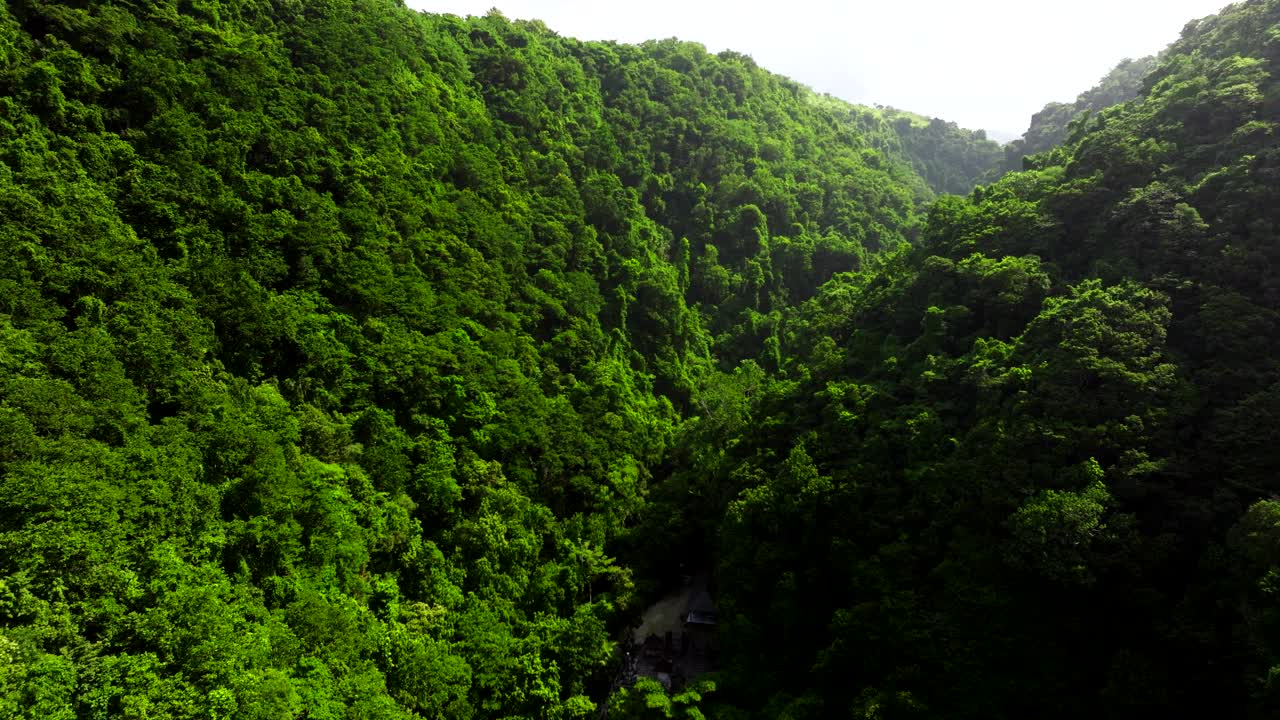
x=362 y=363
x=1027 y=467
x=340 y=345
x=950 y=158
x=1050 y=126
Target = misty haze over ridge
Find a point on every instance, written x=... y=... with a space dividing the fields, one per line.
x=988 y=65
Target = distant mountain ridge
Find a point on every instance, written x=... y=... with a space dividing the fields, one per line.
x=1049 y=127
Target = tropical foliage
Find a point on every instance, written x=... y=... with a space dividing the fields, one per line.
x=361 y=363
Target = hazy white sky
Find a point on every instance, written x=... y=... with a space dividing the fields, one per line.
x=983 y=63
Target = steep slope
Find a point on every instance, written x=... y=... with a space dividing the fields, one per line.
x=950 y=158
x=1050 y=126
x=1026 y=468
x=362 y=363
x=340 y=345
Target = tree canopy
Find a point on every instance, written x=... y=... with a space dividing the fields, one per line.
x=364 y=363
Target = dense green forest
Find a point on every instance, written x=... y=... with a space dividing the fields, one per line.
x=951 y=159
x=363 y=363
